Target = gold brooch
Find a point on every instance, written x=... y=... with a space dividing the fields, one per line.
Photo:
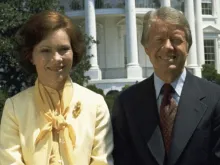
x=77 y=109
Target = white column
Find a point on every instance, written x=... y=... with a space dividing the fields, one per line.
x=192 y=62
x=199 y=33
x=90 y=25
x=133 y=68
x=218 y=56
x=165 y=3
x=217 y=12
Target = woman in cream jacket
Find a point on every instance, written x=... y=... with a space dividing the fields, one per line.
x=55 y=122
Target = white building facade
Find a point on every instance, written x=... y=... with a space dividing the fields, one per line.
x=119 y=58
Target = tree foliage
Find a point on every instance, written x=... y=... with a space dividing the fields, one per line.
x=76 y=5
x=93 y=88
x=210 y=73
x=13 y=15
x=77 y=74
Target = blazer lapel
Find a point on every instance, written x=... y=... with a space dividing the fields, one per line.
x=148 y=120
x=156 y=146
x=190 y=112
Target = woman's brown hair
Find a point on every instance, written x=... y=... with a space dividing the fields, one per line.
x=38 y=27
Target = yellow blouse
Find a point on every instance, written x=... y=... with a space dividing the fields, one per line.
x=27 y=137
x=55 y=158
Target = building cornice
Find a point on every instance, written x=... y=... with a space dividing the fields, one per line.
x=211 y=29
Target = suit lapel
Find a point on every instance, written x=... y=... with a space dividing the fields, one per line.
x=190 y=112
x=147 y=120
x=156 y=146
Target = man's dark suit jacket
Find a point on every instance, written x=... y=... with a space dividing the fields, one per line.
x=196 y=132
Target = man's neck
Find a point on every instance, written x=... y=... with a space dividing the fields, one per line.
x=168 y=77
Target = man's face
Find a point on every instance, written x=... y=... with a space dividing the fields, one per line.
x=167 y=48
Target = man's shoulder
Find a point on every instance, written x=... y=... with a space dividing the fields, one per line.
x=136 y=90
x=206 y=86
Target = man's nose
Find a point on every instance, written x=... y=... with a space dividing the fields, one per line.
x=168 y=44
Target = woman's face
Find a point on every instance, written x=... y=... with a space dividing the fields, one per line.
x=53 y=58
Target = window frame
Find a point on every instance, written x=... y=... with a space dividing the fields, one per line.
x=207 y=9
x=211 y=53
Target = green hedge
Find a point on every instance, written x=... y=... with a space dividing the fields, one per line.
x=95 y=89
x=3 y=97
x=210 y=73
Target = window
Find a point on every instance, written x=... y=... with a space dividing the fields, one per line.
x=77 y=5
x=207 y=7
x=147 y=3
x=178 y=4
x=209 y=50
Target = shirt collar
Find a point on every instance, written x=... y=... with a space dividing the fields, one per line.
x=177 y=84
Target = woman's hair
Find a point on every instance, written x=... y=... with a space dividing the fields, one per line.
x=37 y=28
x=168 y=15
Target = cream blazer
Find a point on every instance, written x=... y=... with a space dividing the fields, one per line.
x=21 y=123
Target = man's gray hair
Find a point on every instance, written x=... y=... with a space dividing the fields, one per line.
x=169 y=15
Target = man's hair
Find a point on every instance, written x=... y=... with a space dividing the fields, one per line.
x=37 y=28
x=168 y=15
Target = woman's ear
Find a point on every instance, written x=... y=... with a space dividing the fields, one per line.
x=31 y=60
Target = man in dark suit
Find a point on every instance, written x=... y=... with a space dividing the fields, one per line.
x=172 y=117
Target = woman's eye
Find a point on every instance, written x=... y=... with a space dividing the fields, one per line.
x=64 y=48
x=45 y=50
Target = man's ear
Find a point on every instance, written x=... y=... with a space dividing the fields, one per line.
x=146 y=50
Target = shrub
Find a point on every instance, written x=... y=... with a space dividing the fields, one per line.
x=95 y=89
x=110 y=102
x=125 y=87
x=3 y=97
x=110 y=98
x=209 y=72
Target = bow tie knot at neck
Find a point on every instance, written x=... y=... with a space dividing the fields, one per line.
x=55 y=111
x=58 y=122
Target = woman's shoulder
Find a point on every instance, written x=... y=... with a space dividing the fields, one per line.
x=85 y=92
x=19 y=103
x=23 y=95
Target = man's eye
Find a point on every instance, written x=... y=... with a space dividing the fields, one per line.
x=159 y=39
x=176 y=41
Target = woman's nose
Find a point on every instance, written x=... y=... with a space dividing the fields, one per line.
x=57 y=56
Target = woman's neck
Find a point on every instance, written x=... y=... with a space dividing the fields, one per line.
x=58 y=86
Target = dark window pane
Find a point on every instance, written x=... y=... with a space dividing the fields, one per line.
x=207 y=8
x=209 y=50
